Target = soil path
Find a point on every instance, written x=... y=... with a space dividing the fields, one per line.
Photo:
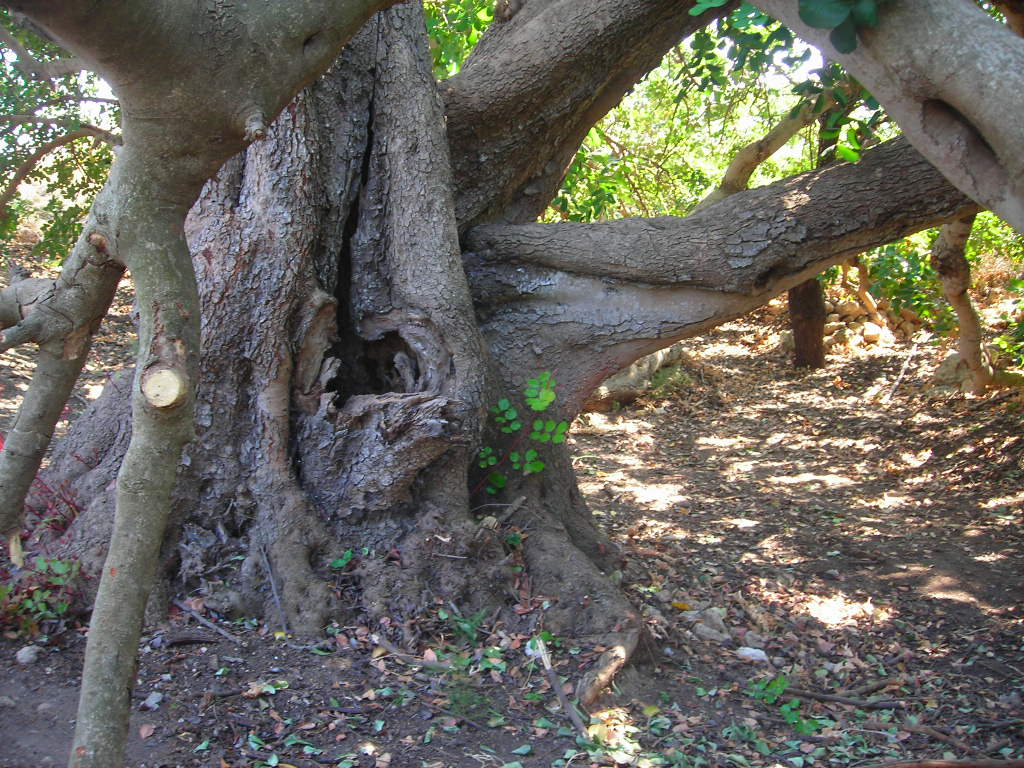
x=826 y=531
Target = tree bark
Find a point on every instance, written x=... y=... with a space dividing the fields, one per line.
x=535 y=85
x=807 y=320
x=151 y=243
x=954 y=271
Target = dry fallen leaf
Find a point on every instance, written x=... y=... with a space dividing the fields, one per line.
x=146 y=730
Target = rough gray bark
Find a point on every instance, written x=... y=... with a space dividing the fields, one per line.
x=949 y=75
x=177 y=132
x=61 y=317
x=598 y=296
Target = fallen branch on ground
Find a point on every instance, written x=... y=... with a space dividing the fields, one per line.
x=861 y=703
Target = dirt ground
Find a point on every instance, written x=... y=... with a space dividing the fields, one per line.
x=830 y=537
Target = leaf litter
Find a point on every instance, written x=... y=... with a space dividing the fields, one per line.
x=826 y=579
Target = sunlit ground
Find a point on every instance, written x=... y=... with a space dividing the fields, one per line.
x=834 y=524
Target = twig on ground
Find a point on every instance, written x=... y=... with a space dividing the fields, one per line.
x=862 y=703
x=994 y=400
x=512 y=509
x=903 y=372
x=273 y=590
x=924 y=730
x=556 y=684
x=207 y=623
x=868 y=689
x=412 y=661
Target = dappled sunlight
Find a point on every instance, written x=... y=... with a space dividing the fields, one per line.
x=990 y=557
x=946 y=587
x=840 y=611
x=842 y=540
x=916 y=459
x=1004 y=501
x=741 y=522
x=658 y=497
x=603 y=423
x=722 y=442
x=890 y=501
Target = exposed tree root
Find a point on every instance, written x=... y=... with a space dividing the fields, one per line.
x=623 y=644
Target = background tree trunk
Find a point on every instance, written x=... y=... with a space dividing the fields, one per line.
x=807 y=320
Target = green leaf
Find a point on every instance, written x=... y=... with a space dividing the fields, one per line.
x=704 y=5
x=844 y=37
x=865 y=13
x=824 y=14
x=523 y=750
x=342 y=561
x=848 y=154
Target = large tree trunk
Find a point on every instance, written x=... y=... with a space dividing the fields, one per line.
x=342 y=383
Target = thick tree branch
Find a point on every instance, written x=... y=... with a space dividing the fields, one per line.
x=265 y=54
x=65 y=122
x=61 y=315
x=954 y=271
x=520 y=108
x=744 y=242
x=957 y=91
x=595 y=297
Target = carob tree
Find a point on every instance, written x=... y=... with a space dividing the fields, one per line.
x=364 y=282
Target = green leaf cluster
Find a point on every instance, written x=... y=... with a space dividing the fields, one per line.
x=506 y=417
x=36 y=594
x=539 y=394
x=843 y=17
x=69 y=176
x=454 y=28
